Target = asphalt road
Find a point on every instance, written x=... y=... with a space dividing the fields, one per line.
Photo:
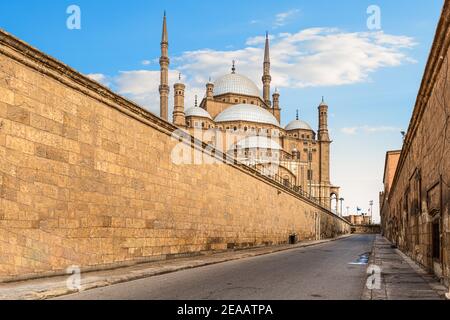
x=318 y=272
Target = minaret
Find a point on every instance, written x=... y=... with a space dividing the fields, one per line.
x=324 y=144
x=179 y=118
x=323 y=121
x=210 y=90
x=267 y=79
x=276 y=105
x=164 y=62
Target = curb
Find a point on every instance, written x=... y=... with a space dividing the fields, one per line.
x=146 y=273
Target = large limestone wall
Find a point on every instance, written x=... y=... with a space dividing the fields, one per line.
x=424 y=168
x=86 y=179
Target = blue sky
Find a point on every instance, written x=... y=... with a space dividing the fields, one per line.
x=370 y=83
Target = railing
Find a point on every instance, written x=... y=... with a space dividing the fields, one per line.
x=286 y=183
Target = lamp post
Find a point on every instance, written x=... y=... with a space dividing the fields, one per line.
x=342 y=201
x=371 y=210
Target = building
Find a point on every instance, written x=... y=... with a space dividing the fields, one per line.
x=234 y=107
x=358 y=220
x=415 y=201
x=87 y=179
x=390 y=167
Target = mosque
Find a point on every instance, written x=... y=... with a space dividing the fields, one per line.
x=233 y=106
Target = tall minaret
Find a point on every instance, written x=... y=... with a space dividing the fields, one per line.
x=276 y=105
x=266 y=79
x=164 y=62
x=323 y=121
x=179 y=118
x=324 y=144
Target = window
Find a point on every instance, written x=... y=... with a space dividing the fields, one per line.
x=310 y=175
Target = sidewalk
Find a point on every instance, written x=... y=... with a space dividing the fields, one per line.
x=401 y=277
x=46 y=288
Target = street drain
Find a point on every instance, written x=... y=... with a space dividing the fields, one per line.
x=362 y=260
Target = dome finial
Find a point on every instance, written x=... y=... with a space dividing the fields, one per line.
x=179 y=76
x=233 y=68
x=196 y=102
x=297 y=117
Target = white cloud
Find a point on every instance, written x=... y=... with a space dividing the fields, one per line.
x=146 y=62
x=281 y=19
x=309 y=58
x=314 y=57
x=253 y=41
x=369 y=129
x=350 y=131
x=142 y=86
x=100 y=78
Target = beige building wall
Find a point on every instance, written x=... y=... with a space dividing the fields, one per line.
x=415 y=211
x=86 y=178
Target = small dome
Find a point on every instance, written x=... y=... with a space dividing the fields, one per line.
x=260 y=142
x=298 y=125
x=197 y=112
x=235 y=83
x=247 y=112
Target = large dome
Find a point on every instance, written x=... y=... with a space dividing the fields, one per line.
x=298 y=125
x=257 y=142
x=197 y=112
x=247 y=112
x=235 y=83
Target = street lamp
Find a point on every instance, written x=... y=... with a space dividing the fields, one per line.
x=371 y=210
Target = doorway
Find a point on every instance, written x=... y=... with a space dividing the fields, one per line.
x=436 y=247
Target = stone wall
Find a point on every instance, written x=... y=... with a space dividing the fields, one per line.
x=420 y=193
x=86 y=179
x=366 y=229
